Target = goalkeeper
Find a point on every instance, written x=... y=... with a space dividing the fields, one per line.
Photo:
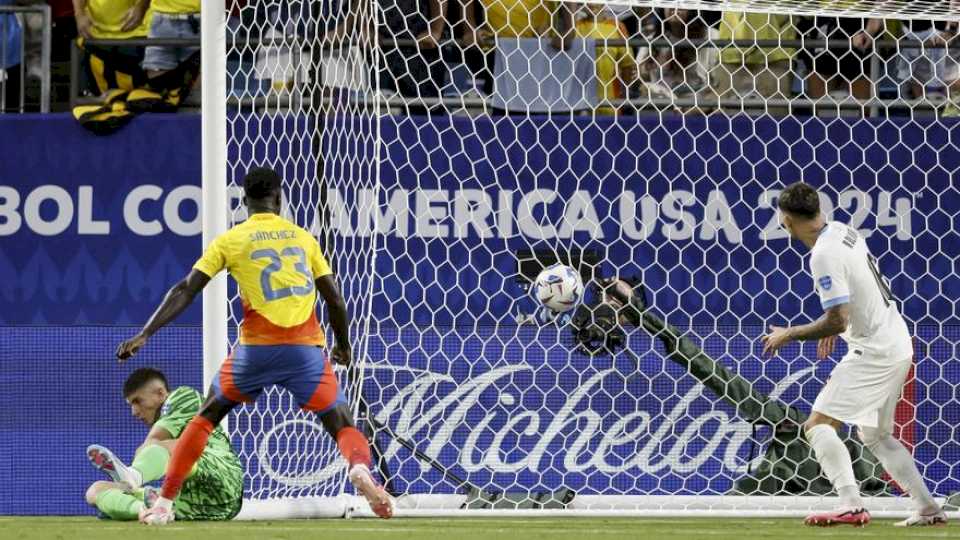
x=787 y=466
x=213 y=490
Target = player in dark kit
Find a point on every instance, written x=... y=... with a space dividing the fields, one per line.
x=279 y=270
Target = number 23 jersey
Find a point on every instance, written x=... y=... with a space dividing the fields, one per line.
x=275 y=264
x=844 y=272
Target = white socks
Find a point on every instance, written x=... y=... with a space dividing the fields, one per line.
x=835 y=462
x=900 y=465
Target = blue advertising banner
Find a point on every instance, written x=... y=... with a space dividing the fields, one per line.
x=685 y=202
x=98 y=233
x=93 y=231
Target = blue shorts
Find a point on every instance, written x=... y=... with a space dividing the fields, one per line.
x=165 y=57
x=303 y=370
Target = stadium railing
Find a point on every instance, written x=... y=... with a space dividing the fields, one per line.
x=875 y=106
x=45 y=47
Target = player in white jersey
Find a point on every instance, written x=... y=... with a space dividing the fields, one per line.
x=864 y=387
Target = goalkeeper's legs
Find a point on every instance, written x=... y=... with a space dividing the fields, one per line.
x=114 y=501
x=151 y=460
x=149 y=463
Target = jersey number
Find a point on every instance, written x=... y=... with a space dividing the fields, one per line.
x=276 y=263
x=884 y=288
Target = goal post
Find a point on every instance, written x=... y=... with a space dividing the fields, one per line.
x=214 y=200
x=439 y=174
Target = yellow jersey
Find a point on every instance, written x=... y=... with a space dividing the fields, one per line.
x=612 y=62
x=107 y=17
x=756 y=26
x=518 y=18
x=275 y=264
x=176 y=7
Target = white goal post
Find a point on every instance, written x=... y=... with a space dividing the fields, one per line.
x=440 y=176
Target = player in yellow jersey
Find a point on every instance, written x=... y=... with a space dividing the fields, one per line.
x=279 y=270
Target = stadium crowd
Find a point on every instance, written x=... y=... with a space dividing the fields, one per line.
x=502 y=54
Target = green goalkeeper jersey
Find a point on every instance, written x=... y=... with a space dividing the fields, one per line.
x=214 y=489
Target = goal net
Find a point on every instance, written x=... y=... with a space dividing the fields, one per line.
x=444 y=152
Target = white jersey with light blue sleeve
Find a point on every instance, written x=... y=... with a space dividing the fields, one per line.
x=844 y=272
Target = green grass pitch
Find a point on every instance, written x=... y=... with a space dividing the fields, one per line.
x=572 y=528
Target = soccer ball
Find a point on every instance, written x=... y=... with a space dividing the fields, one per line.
x=559 y=288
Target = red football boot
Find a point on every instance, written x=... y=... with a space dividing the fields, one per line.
x=858 y=517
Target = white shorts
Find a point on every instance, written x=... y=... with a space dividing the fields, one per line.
x=863 y=390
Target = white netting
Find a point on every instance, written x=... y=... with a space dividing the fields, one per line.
x=442 y=157
x=891 y=9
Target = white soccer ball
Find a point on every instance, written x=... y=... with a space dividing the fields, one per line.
x=559 y=288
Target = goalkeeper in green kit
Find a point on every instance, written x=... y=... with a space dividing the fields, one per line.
x=212 y=491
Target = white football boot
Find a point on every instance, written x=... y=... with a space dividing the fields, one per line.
x=380 y=501
x=924 y=520
x=104 y=460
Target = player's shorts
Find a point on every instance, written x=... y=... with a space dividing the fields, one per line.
x=303 y=370
x=863 y=390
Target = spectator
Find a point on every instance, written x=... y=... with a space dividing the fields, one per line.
x=111 y=19
x=519 y=19
x=708 y=56
x=32 y=23
x=280 y=64
x=750 y=71
x=63 y=28
x=512 y=19
x=685 y=68
x=468 y=75
x=171 y=19
x=680 y=62
x=844 y=70
x=951 y=73
x=11 y=69
x=616 y=66
x=920 y=66
x=413 y=71
x=646 y=25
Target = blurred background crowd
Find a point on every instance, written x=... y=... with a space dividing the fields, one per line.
x=481 y=57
